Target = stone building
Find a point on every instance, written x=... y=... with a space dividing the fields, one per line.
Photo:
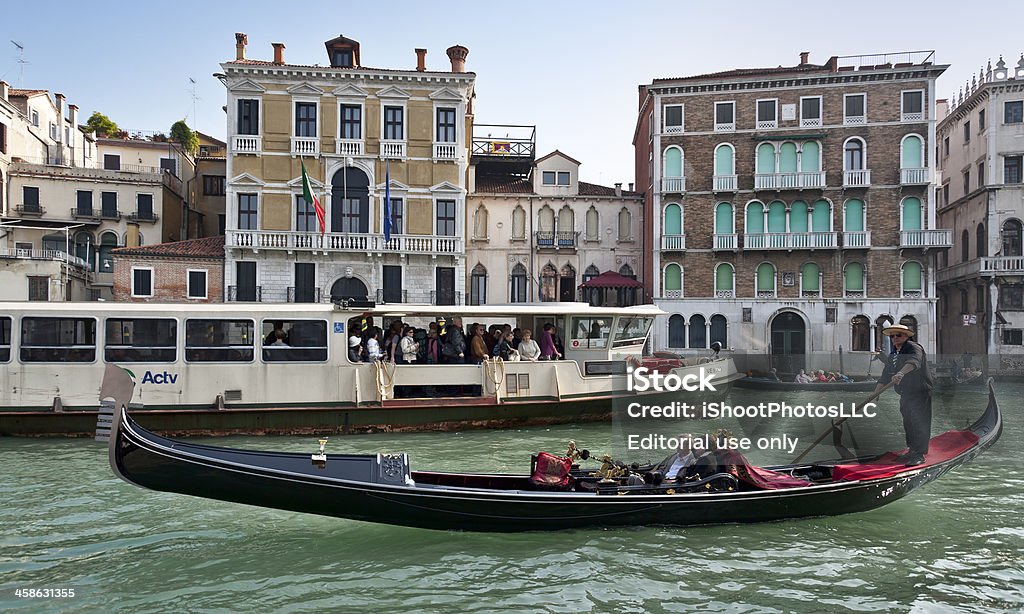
x=538 y=236
x=790 y=209
x=190 y=271
x=981 y=198
x=207 y=217
x=354 y=128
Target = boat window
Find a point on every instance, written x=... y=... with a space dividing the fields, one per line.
x=5 y=339
x=219 y=340
x=141 y=340
x=294 y=340
x=58 y=339
x=589 y=333
x=631 y=331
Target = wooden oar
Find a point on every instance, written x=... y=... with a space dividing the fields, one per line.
x=873 y=396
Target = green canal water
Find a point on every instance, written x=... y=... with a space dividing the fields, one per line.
x=67 y=523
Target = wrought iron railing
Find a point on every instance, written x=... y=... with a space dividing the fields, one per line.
x=445 y=297
x=245 y=294
x=392 y=295
x=303 y=295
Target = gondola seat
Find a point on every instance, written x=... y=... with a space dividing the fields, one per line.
x=550 y=472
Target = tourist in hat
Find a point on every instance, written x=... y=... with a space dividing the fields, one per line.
x=907 y=368
x=355 y=349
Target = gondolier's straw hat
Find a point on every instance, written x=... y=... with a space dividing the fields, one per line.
x=898 y=328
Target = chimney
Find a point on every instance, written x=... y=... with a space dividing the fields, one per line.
x=630 y=186
x=5 y=90
x=457 y=54
x=278 y=53
x=241 y=40
x=60 y=117
x=73 y=109
x=804 y=57
x=421 y=60
x=618 y=189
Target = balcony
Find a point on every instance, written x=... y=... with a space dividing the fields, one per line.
x=673 y=243
x=247 y=144
x=725 y=183
x=984 y=267
x=339 y=242
x=857 y=179
x=392 y=296
x=305 y=146
x=857 y=239
x=348 y=147
x=303 y=295
x=790 y=240
x=143 y=216
x=84 y=214
x=245 y=294
x=43 y=254
x=673 y=185
x=559 y=239
x=29 y=210
x=789 y=181
x=926 y=238
x=914 y=176
x=725 y=242
x=446 y=151
x=110 y=214
x=445 y=297
x=392 y=150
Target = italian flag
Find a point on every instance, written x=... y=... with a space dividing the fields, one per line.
x=307 y=193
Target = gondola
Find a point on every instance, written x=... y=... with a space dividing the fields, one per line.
x=382 y=488
x=755 y=382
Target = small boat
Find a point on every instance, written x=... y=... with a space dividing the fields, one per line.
x=757 y=382
x=383 y=488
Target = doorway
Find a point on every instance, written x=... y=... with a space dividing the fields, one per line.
x=788 y=346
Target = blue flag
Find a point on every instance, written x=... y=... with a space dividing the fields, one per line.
x=387 y=201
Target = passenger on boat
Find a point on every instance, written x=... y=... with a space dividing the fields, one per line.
x=394 y=338
x=773 y=374
x=517 y=336
x=802 y=378
x=272 y=335
x=548 y=351
x=820 y=376
x=528 y=348
x=504 y=349
x=675 y=465
x=454 y=349
x=433 y=345
x=355 y=349
x=373 y=345
x=907 y=368
x=477 y=345
x=279 y=339
x=408 y=345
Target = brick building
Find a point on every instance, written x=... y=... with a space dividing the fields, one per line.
x=790 y=209
x=981 y=198
x=189 y=271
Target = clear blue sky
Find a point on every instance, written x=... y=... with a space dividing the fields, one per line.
x=571 y=68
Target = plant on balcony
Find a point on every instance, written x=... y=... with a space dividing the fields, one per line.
x=102 y=125
x=181 y=133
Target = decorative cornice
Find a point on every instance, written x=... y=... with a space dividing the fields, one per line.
x=836 y=78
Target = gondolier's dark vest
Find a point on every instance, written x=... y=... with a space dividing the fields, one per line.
x=918 y=380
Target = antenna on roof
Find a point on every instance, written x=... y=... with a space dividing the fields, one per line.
x=192 y=92
x=21 y=62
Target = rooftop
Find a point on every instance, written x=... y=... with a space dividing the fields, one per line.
x=208 y=248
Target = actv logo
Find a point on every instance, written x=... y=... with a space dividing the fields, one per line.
x=159 y=378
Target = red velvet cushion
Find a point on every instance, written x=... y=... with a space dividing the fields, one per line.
x=551 y=470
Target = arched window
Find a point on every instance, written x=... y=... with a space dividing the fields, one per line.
x=478 y=285
x=627 y=271
x=910 y=322
x=625 y=225
x=810 y=157
x=766 y=279
x=912 y=279
x=567 y=284
x=350 y=201
x=720 y=330
x=676 y=331
x=673 y=220
x=821 y=217
x=788 y=158
x=673 y=162
x=912 y=152
x=910 y=218
x=566 y=219
x=519 y=223
x=765 y=163
x=549 y=283
x=882 y=343
x=673 y=281
x=593 y=224
x=754 y=222
x=517 y=290
x=860 y=334
x=85 y=247
x=107 y=243
x=981 y=241
x=545 y=227
x=853 y=279
x=725 y=163
x=698 y=332
x=853 y=154
x=480 y=224
x=725 y=281
x=1012 y=234
x=592 y=295
x=965 y=247
x=798 y=215
x=853 y=216
x=724 y=219
x=810 y=279
x=777 y=223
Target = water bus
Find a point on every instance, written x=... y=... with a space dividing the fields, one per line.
x=208 y=368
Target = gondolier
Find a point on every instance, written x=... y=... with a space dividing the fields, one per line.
x=907 y=368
